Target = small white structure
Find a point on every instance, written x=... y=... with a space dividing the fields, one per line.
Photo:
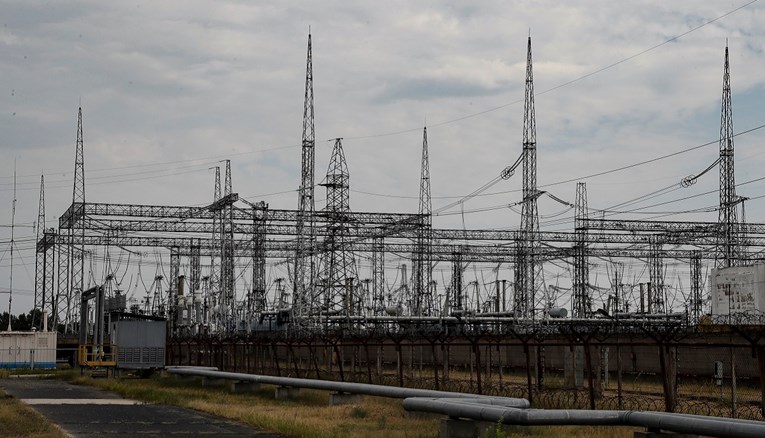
x=28 y=350
x=739 y=289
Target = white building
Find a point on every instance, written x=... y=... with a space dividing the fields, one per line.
x=738 y=289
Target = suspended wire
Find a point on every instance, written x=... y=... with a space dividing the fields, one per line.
x=557 y=87
x=576 y=179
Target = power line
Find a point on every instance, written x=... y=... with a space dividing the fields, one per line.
x=557 y=87
x=579 y=178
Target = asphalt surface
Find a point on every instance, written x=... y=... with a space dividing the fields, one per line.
x=87 y=412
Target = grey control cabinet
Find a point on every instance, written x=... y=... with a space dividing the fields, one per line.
x=140 y=343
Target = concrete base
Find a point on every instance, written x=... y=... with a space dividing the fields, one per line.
x=209 y=381
x=341 y=398
x=282 y=392
x=238 y=387
x=654 y=434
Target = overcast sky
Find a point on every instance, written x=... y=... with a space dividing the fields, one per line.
x=170 y=88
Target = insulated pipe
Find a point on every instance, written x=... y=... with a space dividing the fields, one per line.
x=682 y=423
x=347 y=387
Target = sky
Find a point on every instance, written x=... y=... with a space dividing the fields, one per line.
x=168 y=89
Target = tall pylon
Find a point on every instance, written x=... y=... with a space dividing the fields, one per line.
x=582 y=300
x=336 y=286
x=40 y=258
x=257 y=302
x=228 y=294
x=423 y=269
x=215 y=259
x=526 y=272
x=76 y=253
x=304 y=261
x=728 y=237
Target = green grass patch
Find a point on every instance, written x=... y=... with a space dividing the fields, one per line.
x=20 y=421
x=309 y=415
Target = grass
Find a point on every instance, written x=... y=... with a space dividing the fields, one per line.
x=20 y=421
x=309 y=415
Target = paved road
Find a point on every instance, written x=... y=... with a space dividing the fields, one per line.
x=89 y=412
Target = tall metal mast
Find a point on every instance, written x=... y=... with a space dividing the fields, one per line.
x=227 y=248
x=215 y=260
x=529 y=214
x=423 y=301
x=338 y=268
x=727 y=247
x=304 y=263
x=582 y=301
x=40 y=256
x=77 y=253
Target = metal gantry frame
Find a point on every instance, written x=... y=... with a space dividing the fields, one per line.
x=223 y=232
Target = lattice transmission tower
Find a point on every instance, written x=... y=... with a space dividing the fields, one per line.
x=526 y=269
x=304 y=261
x=228 y=292
x=728 y=238
x=337 y=278
x=582 y=300
x=423 y=266
x=71 y=256
x=40 y=263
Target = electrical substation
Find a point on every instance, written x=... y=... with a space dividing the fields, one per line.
x=333 y=317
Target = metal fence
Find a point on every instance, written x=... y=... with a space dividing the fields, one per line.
x=707 y=374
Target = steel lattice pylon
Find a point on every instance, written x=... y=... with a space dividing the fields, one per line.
x=71 y=259
x=304 y=262
x=40 y=262
x=215 y=259
x=727 y=249
x=582 y=300
x=378 y=276
x=527 y=269
x=337 y=274
x=422 y=260
x=695 y=306
x=257 y=303
x=657 y=303
x=227 y=250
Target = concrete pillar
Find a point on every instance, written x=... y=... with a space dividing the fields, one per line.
x=286 y=392
x=573 y=367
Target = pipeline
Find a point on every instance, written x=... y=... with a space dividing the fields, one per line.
x=347 y=387
x=680 y=423
x=504 y=409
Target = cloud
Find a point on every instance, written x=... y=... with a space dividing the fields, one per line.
x=187 y=83
x=433 y=89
